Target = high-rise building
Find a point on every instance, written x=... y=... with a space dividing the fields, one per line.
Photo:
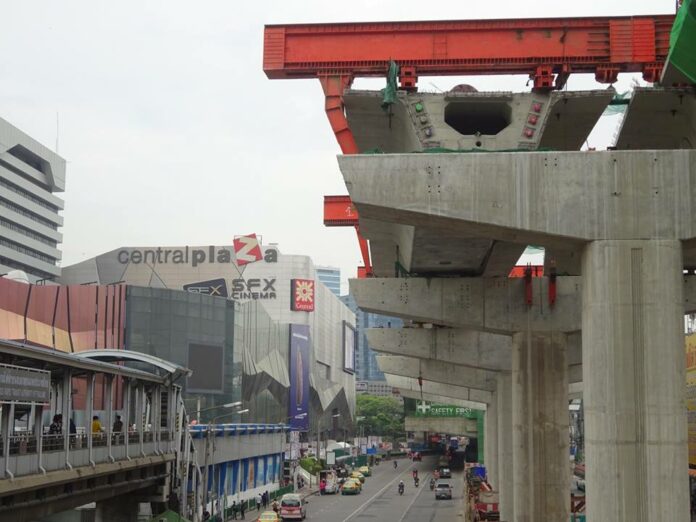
x=331 y=277
x=30 y=174
x=366 y=368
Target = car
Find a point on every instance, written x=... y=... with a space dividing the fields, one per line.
x=365 y=470
x=359 y=476
x=351 y=487
x=445 y=472
x=268 y=516
x=292 y=506
x=443 y=490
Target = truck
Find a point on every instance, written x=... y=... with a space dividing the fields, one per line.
x=331 y=479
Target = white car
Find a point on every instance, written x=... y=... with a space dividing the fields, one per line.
x=443 y=490
x=292 y=506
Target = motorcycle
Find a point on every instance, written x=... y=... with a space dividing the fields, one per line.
x=415 y=481
x=401 y=489
x=432 y=484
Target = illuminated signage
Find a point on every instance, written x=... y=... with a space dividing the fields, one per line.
x=302 y=295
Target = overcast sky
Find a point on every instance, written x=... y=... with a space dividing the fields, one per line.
x=174 y=135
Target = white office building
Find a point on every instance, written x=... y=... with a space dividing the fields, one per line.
x=30 y=175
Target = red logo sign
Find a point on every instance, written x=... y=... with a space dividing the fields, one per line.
x=302 y=292
x=247 y=249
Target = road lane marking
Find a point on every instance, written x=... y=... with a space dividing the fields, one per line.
x=415 y=497
x=366 y=504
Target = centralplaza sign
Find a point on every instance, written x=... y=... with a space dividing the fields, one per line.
x=187 y=255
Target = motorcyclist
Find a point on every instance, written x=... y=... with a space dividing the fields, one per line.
x=415 y=481
x=395 y=464
x=401 y=487
x=432 y=483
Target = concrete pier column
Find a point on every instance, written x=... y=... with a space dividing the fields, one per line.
x=634 y=381
x=491 y=441
x=505 y=464
x=540 y=425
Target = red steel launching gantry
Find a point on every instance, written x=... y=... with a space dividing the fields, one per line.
x=546 y=49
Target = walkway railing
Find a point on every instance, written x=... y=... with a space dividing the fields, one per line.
x=29 y=454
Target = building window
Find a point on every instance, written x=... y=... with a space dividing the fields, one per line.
x=27 y=251
x=29 y=233
x=26 y=213
x=28 y=195
x=11 y=263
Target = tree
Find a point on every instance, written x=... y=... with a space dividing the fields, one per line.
x=382 y=416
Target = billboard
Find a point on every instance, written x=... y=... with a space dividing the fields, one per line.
x=207 y=363
x=298 y=403
x=349 y=341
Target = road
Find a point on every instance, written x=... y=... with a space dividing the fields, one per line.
x=380 y=499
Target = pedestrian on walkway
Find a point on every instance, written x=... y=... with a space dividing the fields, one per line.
x=242 y=508
x=259 y=501
x=56 y=427
x=235 y=508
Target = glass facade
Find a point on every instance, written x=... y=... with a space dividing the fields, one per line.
x=167 y=323
x=331 y=277
x=197 y=331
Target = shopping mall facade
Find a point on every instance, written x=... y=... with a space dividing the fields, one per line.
x=253 y=324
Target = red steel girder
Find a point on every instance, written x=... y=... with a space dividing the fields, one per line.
x=515 y=46
x=339 y=211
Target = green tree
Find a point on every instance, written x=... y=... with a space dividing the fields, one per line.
x=381 y=416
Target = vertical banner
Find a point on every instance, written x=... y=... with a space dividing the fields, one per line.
x=298 y=403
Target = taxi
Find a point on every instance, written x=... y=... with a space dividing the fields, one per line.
x=358 y=476
x=365 y=470
x=351 y=487
x=268 y=516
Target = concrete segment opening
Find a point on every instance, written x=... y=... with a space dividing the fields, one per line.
x=472 y=116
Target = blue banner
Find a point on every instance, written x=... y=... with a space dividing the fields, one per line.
x=298 y=404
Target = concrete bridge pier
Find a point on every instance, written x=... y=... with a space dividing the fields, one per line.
x=490 y=448
x=634 y=395
x=540 y=421
x=505 y=461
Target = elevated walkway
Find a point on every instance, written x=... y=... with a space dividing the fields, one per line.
x=54 y=458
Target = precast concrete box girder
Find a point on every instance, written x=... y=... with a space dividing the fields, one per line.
x=468 y=348
x=495 y=305
x=560 y=199
x=437 y=371
x=441 y=399
x=435 y=388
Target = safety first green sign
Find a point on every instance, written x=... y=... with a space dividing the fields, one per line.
x=425 y=409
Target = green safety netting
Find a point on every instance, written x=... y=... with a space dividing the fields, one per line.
x=389 y=92
x=682 y=41
x=618 y=104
